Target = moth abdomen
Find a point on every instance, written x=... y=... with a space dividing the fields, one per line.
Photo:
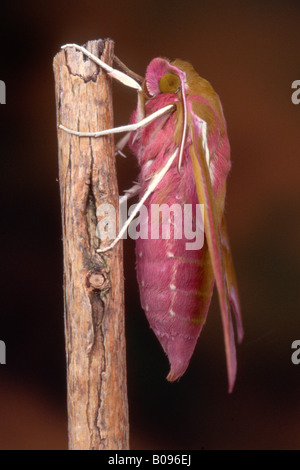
x=175 y=295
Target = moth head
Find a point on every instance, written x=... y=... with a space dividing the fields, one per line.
x=165 y=77
x=160 y=78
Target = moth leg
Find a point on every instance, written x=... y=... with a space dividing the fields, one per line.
x=121 y=144
x=125 y=78
x=127 y=70
x=114 y=73
x=153 y=183
x=128 y=128
x=129 y=193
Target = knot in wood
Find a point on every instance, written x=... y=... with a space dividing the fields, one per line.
x=96 y=280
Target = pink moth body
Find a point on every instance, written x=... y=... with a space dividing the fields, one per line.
x=176 y=284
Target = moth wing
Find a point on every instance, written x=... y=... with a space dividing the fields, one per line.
x=213 y=237
x=231 y=280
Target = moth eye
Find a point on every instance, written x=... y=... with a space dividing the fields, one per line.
x=169 y=83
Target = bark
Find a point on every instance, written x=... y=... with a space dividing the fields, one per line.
x=93 y=282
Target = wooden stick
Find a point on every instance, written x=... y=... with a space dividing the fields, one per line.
x=93 y=283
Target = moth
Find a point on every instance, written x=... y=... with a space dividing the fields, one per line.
x=179 y=136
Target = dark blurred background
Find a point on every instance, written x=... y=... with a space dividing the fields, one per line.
x=249 y=51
